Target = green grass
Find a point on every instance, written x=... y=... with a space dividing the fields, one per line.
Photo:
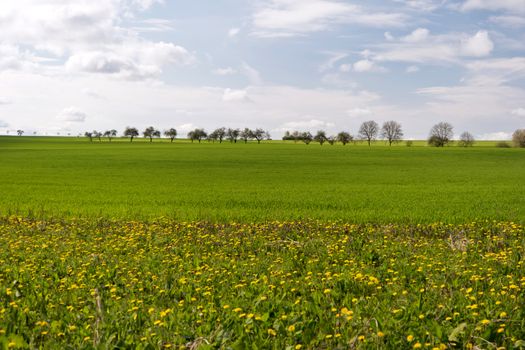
x=70 y=177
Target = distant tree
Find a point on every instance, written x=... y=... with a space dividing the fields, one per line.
x=219 y=134
x=368 y=131
x=20 y=132
x=320 y=137
x=212 y=136
x=331 y=140
x=246 y=135
x=197 y=134
x=150 y=133
x=466 y=140
x=233 y=134
x=89 y=135
x=110 y=134
x=441 y=134
x=518 y=138
x=260 y=134
x=98 y=135
x=131 y=133
x=307 y=137
x=344 y=137
x=392 y=132
x=296 y=136
x=171 y=134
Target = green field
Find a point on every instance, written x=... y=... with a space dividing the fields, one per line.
x=71 y=177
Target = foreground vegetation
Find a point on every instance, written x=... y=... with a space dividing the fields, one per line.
x=283 y=285
x=69 y=177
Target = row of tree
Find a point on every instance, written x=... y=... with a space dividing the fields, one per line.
x=440 y=135
x=219 y=135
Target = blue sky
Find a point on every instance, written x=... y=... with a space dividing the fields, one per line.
x=77 y=65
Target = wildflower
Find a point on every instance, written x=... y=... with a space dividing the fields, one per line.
x=410 y=338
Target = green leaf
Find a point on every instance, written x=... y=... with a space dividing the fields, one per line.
x=456 y=332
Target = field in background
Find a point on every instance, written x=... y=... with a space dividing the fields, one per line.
x=71 y=177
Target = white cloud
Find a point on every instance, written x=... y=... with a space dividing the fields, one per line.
x=332 y=60
x=231 y=95
x=520 y=112
x=72 y=114
x=345 y=68
x=478 y=45
x=512 y=6
x=5 y=101
x=306 y=125
x=423 y=5
x=418 y=35
x=233 y=32
x=412 y=69
x=225 y=71
x=366 y=65
x=496 y=136
x=285 y=18
x=252 y=74
x=359 y=112
x=508 y=21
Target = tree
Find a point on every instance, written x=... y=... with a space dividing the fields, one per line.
x=20 y=132
x=97 y=135
x=197 y=134
x=466 y=139
x=307 y=137
x=233 y=134
x=131 y=133
x=344 y=137
x=518 y=137
x=441 y=134
x=368 y=131
x=332 y=140
x=151 y=132
x=246 y=135
x=219 y=134
x=260 y=134
x=110 y=134
x=320 y=137
x=171 y=134
x=391 y=131
x=89 y=135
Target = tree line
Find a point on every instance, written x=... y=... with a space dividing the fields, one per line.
x=441 y=135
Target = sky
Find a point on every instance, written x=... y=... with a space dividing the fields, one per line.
x=70 y=66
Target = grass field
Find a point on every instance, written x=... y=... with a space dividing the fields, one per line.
x=71 y=177
x=277 y=285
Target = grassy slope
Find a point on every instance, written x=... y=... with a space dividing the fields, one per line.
x=72 y=177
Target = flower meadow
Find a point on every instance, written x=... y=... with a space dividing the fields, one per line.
x=103 y=284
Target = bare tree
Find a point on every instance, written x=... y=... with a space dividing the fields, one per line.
x=151 y=132
x=246 y=135
x=97 y=135
x=368 y=131
x=131 y=133
x=392 y=132
x=259 y=134
x=466 y=139
x=320 y=137
x=219 y=134
x=89 y=135
x=344 y=137
x=331 y=140
x=20 y=132
x=518 y=138
x=197 y=134
x=307 y=137
x=110 y=134
x=233 y=134
x=171 y=134
x=441 y=134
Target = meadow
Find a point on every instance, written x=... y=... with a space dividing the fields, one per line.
x=274 y=285
x=260 y=246
x=71 y=178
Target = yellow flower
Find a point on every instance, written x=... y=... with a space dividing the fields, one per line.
x=361 y=338
x=417 y=346
x=298 y=347
x=291 y=328
x=272 y=332
x=380 y=334
x=503 y=314
x=485 y=322
x=410 y=338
